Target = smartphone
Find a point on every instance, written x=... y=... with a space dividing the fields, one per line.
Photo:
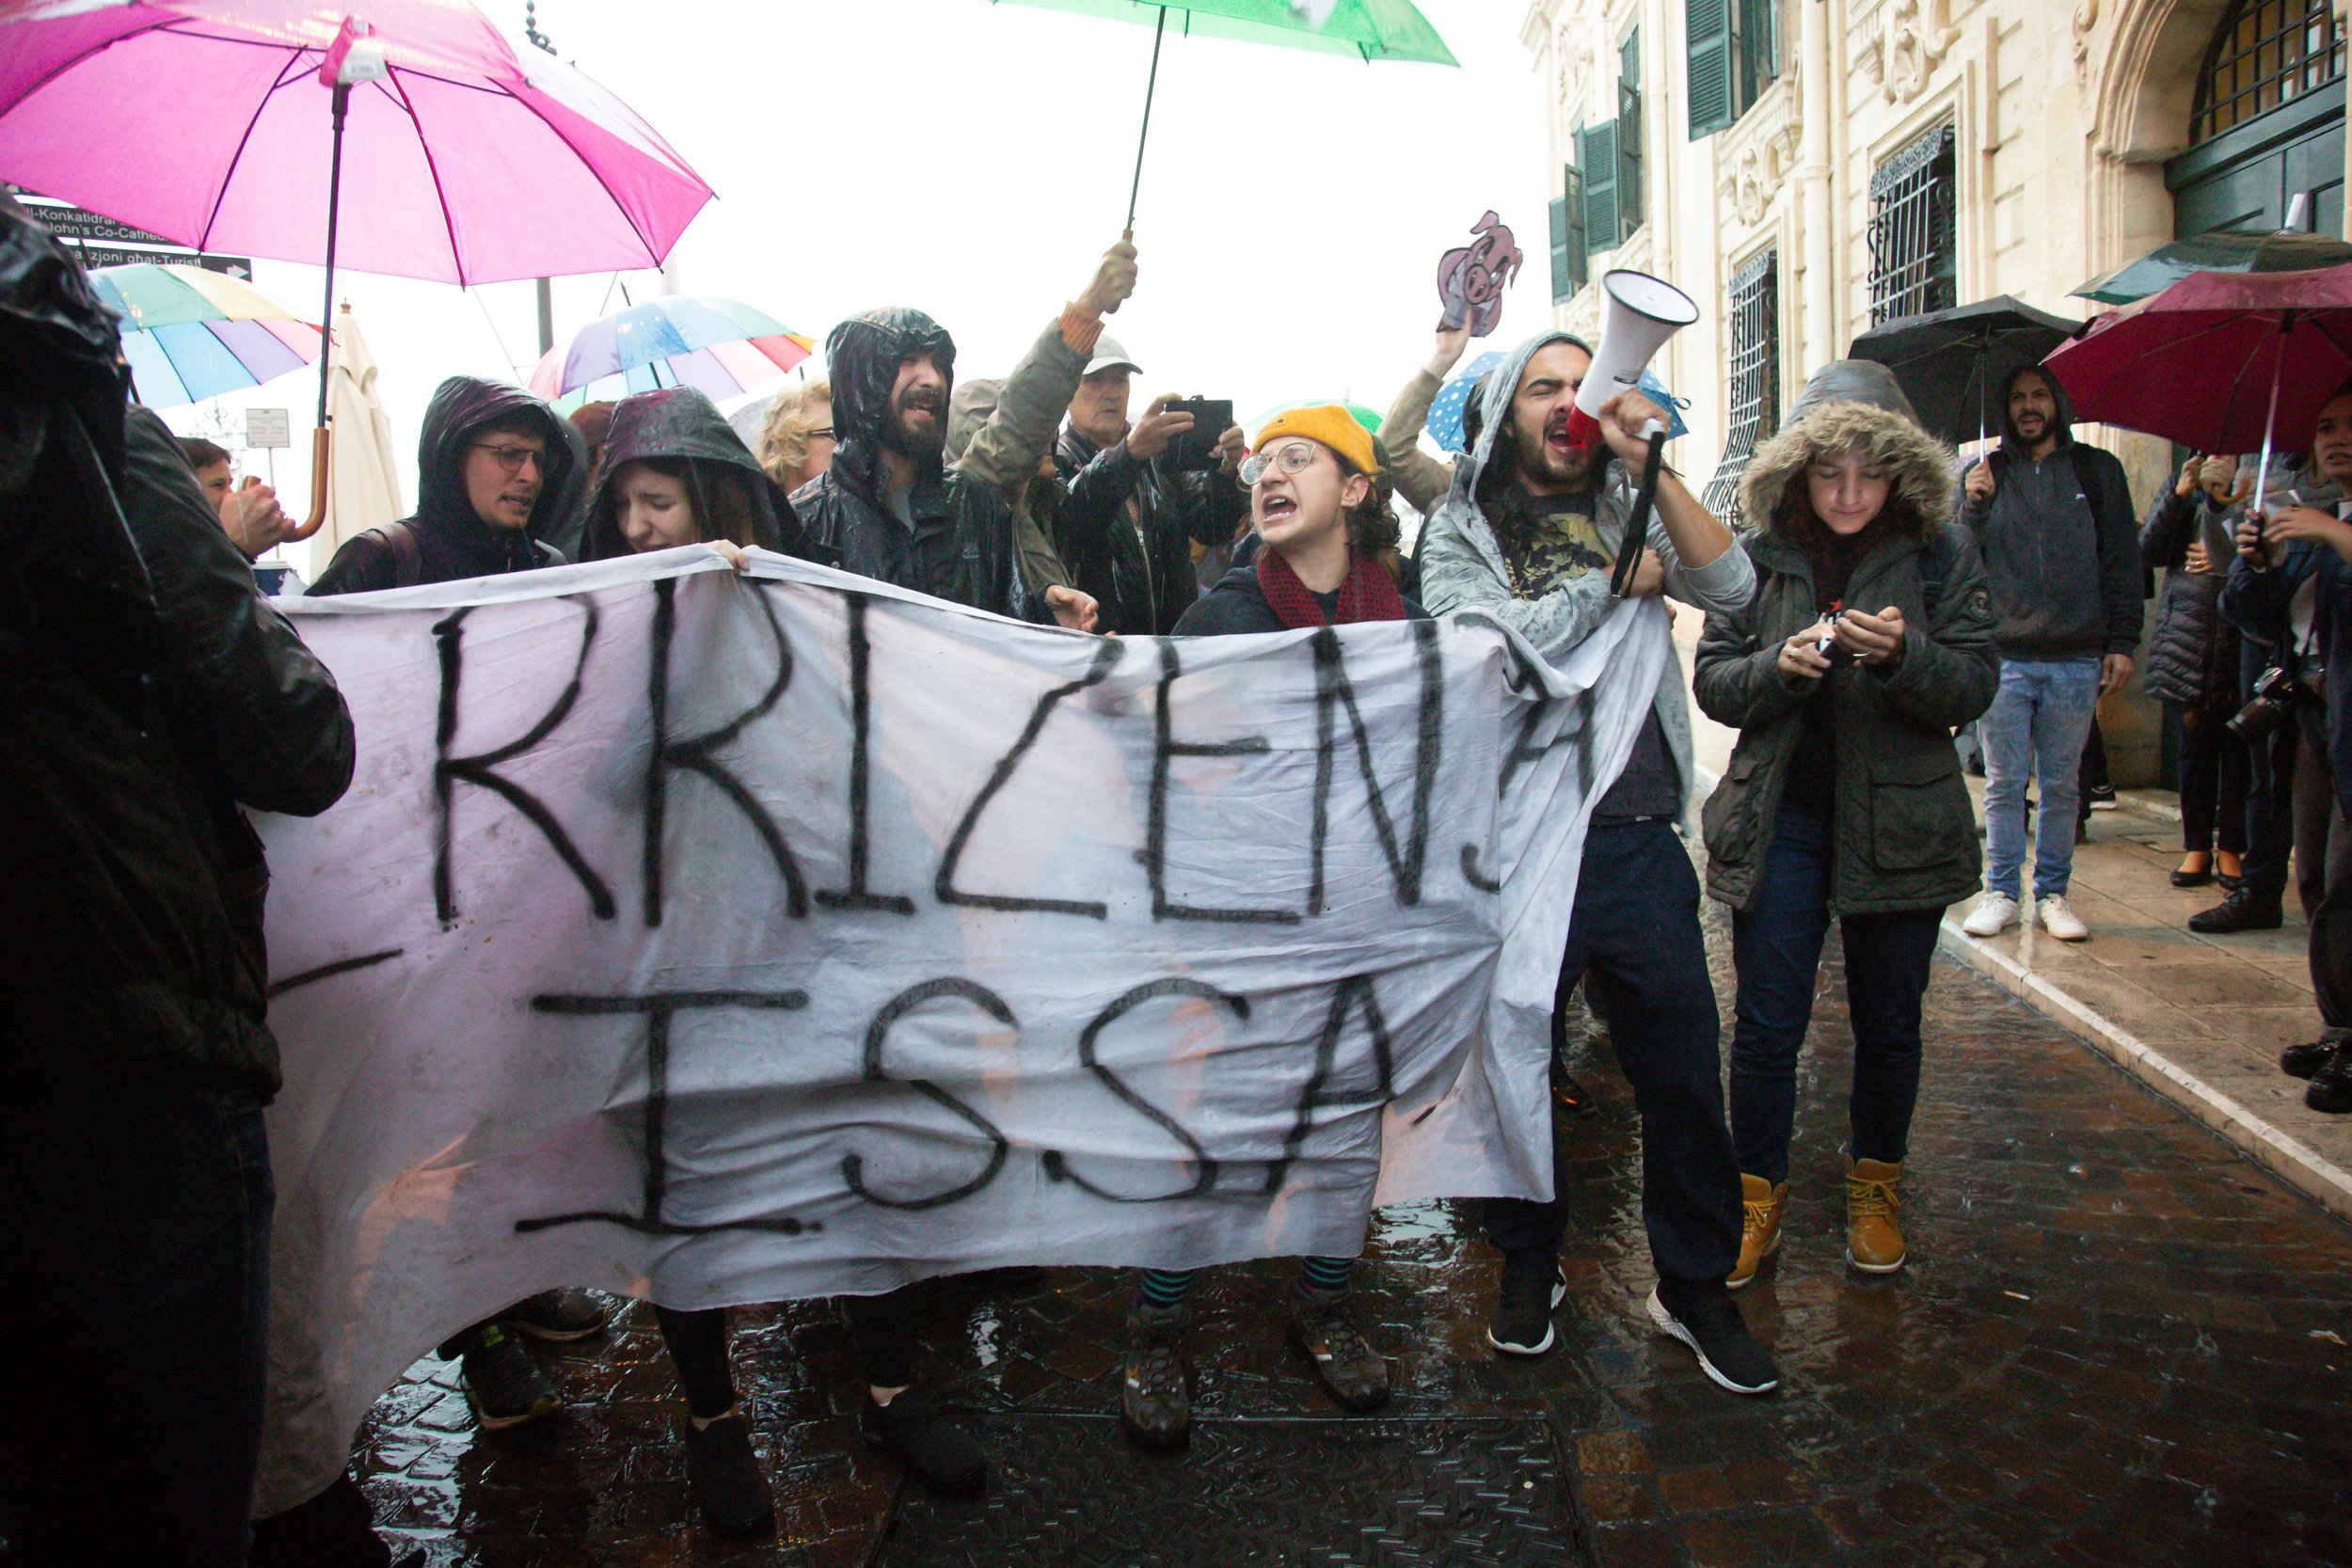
x=1196 y=449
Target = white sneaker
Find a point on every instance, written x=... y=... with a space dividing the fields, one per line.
x=2059 y=920
x=1992 y=915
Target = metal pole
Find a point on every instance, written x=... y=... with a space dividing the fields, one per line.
x=546 y=315
x=334 y=199
x=2270 y=420
x=1149 y=88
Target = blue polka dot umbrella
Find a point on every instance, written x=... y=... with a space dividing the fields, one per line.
x=1452 y=400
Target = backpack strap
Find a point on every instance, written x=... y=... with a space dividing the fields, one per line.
x=407 y=560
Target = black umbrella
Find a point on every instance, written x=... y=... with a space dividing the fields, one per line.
x=1952 y=363
x=2281 y=251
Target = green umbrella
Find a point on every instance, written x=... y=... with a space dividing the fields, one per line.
x=1369 y=29
x=2283 y=251
x=1369 y=418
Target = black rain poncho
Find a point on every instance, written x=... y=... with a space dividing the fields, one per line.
x=679 y=424
x=452 y=543
x=962 y=546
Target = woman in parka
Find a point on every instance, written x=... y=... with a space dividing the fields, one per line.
x=1844 y=796
x=2193 y=663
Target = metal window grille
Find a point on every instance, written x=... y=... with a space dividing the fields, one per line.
x=1914 y=239
x=2264 y=53
x=1752 y=400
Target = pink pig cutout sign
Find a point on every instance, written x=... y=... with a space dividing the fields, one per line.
x=1471 y=278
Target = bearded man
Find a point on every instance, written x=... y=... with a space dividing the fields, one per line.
x=888 y=506
x=1527 y=536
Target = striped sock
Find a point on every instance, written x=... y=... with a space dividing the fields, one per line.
x=1161 y=1288
x=1324 y=1274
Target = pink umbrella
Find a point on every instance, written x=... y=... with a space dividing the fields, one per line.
x=2221 y=361
x=219 y=124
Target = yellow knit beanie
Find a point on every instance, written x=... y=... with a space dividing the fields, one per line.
x=1328 y=424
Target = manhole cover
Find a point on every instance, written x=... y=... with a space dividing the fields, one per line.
x=1376 y=1492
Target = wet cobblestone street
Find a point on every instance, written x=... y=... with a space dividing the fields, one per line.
x=2118 y=1342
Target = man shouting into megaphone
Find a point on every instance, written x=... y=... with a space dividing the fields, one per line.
x=1536 y=518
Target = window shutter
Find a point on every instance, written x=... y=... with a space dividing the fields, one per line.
x=1707 y=25
x=1567 y=240
x=1760 y=49
x=1629 y=154
x=1596 y=156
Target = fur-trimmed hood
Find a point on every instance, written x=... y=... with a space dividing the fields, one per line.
x=1852 y=406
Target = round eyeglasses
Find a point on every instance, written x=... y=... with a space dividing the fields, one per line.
x=1292 y=458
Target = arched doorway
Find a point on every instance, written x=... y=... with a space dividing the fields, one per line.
x=2267 y=124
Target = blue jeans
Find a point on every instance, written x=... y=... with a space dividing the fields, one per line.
x=1634 y=938
x=1777 y=947
x=2035 y=729
x=138 y=1224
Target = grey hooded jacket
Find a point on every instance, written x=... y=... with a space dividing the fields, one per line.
x=2061 y=543
x=1462 y=566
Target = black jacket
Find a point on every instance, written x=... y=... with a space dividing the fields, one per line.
x=2062 y=551
x=679 y=424
x=2192 y=655
x=452 y=543
x=1237 y=606
x=2262 y=605
x=147 y=690
x=1127 y=529
x=962 y=547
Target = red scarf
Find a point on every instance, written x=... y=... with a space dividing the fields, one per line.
x=1368 y=593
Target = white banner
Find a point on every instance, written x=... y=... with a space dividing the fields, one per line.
x=718 y=940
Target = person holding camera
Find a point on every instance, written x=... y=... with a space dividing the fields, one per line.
x=1142 y=495
x=1844 y=797
x=1530 y=535
x=2292 y=586
x=2053 y=519
x=2257 y=903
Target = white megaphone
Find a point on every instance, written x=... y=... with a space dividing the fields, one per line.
x=1637 y=313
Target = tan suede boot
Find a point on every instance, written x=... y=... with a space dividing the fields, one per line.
x=1759 y=1230
x=1874 y=1241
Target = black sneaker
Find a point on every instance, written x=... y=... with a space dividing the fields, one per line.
x=2302 y=1061
x=730 y=1489
x=2247 y=909
x=504 y=1385
x=1711 y=1327
x=1154 y=1381
x=560 y=1315
x=2331 y=1088
x=935 y=1450
x=1521 y=1323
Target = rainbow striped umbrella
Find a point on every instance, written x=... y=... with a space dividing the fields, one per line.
x=191 y=334
x=721 y=347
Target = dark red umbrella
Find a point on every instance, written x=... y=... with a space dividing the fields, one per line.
x=2220 y=362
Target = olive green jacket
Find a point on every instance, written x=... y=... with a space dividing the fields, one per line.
x=1903 y=829
x=998 y=431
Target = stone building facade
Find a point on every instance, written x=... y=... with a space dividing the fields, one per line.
x=1804 y=167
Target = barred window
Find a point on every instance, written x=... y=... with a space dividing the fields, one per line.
x=1914 y=239
x=1752 y=400
x=2264 y=53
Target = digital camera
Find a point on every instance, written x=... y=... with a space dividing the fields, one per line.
x=2272 y=705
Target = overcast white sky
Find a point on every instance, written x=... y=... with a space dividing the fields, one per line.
x=972 y=159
